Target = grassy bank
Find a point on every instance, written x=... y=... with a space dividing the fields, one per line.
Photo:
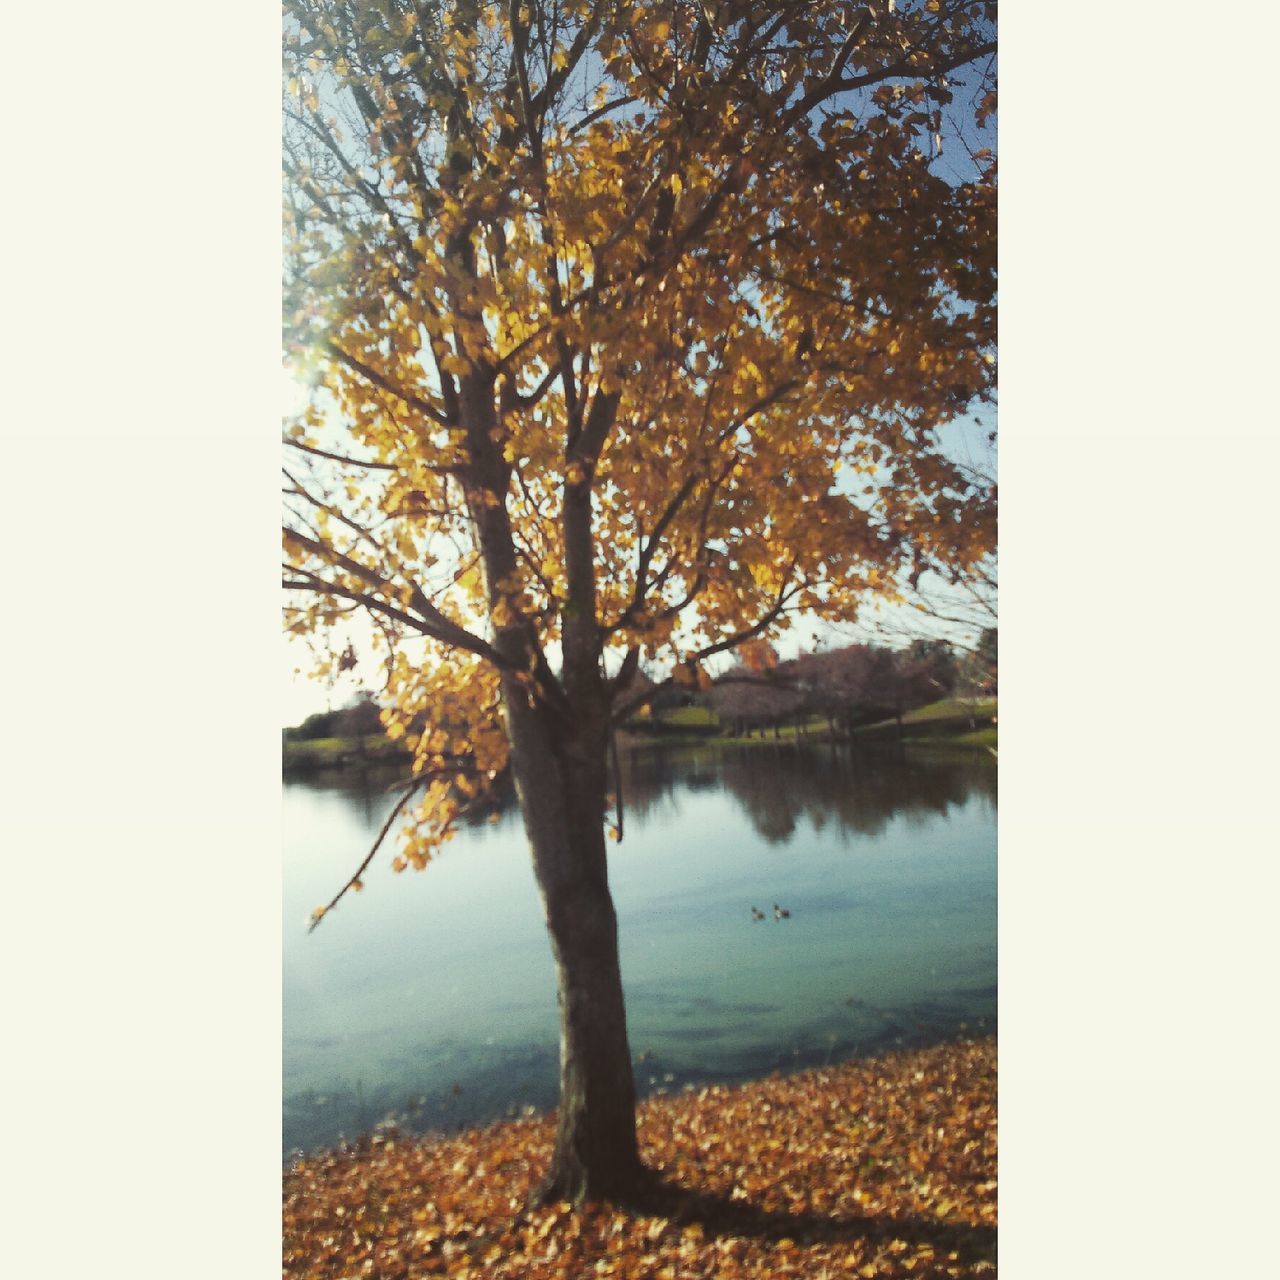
x=883 y=1167
x=314 y=754
x=948 y=722
x=942 y=724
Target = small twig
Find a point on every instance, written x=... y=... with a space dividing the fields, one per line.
x=318 y=915
x=617 y=779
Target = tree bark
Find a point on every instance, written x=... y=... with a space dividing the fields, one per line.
x=561 y=776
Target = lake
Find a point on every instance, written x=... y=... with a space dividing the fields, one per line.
x=430 y=996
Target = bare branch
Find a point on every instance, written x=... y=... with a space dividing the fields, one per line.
x=758 y=628
x=314 y=583
x=337 y=457
x=434 y=623
x=378 y=380
x=321 y=912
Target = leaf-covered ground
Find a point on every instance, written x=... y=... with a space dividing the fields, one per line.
x=884 y=1167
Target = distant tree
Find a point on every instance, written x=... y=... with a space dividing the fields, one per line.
x=988 y=653
x=746 y=699
x=849 y=686
x=359 y=719
x=976 y=675
x=860 y=684
x=319 y=725
x=926 y=671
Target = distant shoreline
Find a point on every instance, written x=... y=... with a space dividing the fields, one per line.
x=944 y=725
x=300 y=759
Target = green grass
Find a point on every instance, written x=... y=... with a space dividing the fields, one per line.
x=814 y=726
x=946 y=716
x=947 y=708
x=699 y=716
x=321 y=753
x=948 y=721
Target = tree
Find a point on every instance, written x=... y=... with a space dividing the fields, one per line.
x=318 y=725
x=852 y=685
x=977 y=675
x=746 y=700
x=926 y=671
x=361 y=718
x=597 y=300
x=988 y=650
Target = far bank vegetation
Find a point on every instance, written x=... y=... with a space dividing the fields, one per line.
x=927 y=690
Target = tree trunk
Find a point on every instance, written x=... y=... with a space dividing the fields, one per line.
x=558 y=739
x=561 y=778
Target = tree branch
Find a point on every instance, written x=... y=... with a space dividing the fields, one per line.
x=314 y=583
x=378 y=380
x=320 y=912
x=434 y=623
x=337 y=457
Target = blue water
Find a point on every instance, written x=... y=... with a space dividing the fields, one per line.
x=430 y=995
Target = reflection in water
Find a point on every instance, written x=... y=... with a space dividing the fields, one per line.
x=778 y=785
x=432 y=995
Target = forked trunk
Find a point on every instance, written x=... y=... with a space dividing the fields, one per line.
x=561 y=779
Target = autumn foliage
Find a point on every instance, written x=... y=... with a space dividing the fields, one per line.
x=880 y=1168
x=631 y=329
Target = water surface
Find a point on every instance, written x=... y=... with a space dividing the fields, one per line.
x=431 y=995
